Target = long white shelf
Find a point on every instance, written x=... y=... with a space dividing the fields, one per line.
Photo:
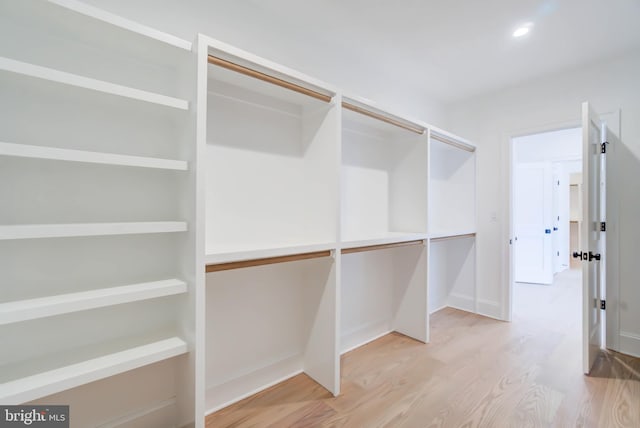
x=40 y=152
x=382 y=239
x=123 y=23
x=62 y=77
x=51 y=381
x=33 y=231
x=23 y=310
x=224 y=255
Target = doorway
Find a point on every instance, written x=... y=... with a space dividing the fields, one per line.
x=547 y=170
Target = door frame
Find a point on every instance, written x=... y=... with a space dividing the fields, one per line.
x=509 y=226
x=611 y=332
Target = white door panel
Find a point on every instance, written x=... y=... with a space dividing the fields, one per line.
x=593 y=185
x=533 y=211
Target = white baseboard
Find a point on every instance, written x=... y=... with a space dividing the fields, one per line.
x=629 y=343
x=490 y=308
x=363 y=334
x=461 y=302
x=153 y=414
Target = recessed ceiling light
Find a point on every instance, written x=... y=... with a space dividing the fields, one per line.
x=522 y=30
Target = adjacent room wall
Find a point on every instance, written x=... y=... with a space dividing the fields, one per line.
x=554 y=102
x=254 y=27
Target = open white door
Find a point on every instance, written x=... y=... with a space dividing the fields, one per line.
x=532 y=223
x=592 y=246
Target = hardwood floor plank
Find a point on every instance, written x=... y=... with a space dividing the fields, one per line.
x=476 y=372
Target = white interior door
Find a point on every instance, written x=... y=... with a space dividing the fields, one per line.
x=592 y=249
x=555 y=218
x=532 y=221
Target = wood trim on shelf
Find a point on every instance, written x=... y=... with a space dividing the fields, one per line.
x=267 y=78
x=217 y=267
x=383 y=118
x=381 y=246
x=447 y=238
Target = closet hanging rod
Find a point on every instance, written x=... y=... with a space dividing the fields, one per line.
x=382 y=246
x=217 y=267
x=267 y=78
x=452 y=142
x=448 y=238
x=383 y=118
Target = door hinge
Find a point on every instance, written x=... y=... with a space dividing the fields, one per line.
x=603 y=147
x=603 y=226
x=603 y=305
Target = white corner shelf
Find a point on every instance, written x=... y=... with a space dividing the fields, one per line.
x=52 y=153
x=35 y=231
x=52 y=381
x=23 y=310
x=387 y=238
x=258 y=252
x=61 y=77
x=125 y=24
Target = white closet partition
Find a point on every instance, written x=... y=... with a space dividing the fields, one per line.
x=271 y=154
x=384 y=222
x=383 y=178
x=452 y=222
x=271 y=157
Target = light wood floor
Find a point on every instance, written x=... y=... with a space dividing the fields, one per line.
x=476 y=372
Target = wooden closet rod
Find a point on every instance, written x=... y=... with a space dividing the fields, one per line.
x=217 y=267
x=448 y=238
x=452 y=142
x=267 y=78
x=383 y=118
x=381 y=246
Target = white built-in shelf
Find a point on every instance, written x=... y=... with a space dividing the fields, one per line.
x=125 y=24
x=61 y=77
x=24 y=310
x=387 y=238
x=240 y=253
x=445 y=234
x=34 y=231
x=41 y=152
x=48 y=382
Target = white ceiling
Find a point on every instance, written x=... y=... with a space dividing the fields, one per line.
x=454 y=49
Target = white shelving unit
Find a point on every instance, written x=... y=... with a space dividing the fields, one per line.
x=23 y=69
x=271 y=164
x=89 y=370
x=36 y=231
x=51 y=153
x=452 y=220
x=384 y=225
x=271 y=155
x=201 y=227
x=42 y=307
x=384 y=175
x=97 y=236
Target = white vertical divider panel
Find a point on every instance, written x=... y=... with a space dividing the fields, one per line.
x=322 y=352
x=200 y=227
x=408 y=204
x=452 y=220
x=410 y=295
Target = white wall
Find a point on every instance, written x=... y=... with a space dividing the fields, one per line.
x=553 y=102
x=254 y=27
x=563 y=144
